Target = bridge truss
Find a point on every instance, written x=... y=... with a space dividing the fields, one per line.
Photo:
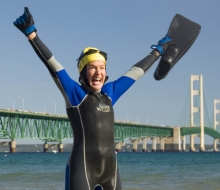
x=48 y=128
x=20 y=125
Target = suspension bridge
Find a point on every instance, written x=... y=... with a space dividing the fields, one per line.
x=56 y=128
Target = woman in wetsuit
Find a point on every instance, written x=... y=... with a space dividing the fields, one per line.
x=89 y=107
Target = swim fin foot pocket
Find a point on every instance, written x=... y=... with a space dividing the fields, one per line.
x=166 y=62
x=183 y=32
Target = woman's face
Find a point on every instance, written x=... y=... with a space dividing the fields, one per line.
x=96 y=73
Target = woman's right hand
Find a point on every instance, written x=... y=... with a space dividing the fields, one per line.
x=25 y=23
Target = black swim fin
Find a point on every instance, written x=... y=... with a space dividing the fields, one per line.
x=183 y=32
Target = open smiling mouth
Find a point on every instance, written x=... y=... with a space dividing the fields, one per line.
x=96 y=80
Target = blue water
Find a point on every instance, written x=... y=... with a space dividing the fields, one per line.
x=138 y=171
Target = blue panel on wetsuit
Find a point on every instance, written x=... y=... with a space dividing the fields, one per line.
x=98 y=188
x=73 y=90
x=115 y=89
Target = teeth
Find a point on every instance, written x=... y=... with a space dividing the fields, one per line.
x=97 y=79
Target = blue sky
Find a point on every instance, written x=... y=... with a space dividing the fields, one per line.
x=123 y=29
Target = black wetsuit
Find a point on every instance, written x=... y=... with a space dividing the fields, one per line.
x=93 y=160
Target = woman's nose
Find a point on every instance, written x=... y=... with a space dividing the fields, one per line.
x=98 y=70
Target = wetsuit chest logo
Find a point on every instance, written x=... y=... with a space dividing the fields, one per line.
x=103 y=108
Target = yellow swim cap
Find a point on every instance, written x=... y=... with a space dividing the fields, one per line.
x=90 y=54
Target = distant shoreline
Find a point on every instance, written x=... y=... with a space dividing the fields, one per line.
x=68 y=147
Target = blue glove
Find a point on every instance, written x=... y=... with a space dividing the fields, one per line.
x=161 y=46
x=25 y=23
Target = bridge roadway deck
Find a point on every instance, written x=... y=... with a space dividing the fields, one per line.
x=48 y=128
x=21 y=125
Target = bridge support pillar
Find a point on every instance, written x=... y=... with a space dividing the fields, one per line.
x=45 y=147
x=169 y=147
x=183 y=143
x=135 y=143
x=118 y=146
x=192 y=147
x=144 y=144
x=173 y=144
x=202 y=146
x=154 y=144
x=60 y=147
x=12 y=146
x=176 y=139
x=162 y=144
x=215 y=149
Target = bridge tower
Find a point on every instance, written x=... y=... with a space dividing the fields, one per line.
x=216 y=111
x=197 y=109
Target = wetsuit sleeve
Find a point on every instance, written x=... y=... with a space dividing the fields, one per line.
x=71 y=91
x=117 y=88
x=140 y=68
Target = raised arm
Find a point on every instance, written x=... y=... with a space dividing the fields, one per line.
x=140 y=68
x=117 y=88
x=25 y=23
